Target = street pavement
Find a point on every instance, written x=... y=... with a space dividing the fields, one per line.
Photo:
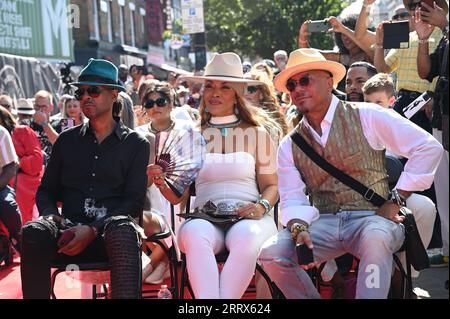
x=430 y=284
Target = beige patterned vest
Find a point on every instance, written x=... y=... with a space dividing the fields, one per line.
x=348 y=150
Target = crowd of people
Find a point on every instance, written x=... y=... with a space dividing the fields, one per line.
x=89 y=179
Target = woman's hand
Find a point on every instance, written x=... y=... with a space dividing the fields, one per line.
x=251 y=211
x=336 y=25
x=303 y=35
x=156 y=175
x=435 y=16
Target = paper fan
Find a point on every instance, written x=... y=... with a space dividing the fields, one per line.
x=180 y=153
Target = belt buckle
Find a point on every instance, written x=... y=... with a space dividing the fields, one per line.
x=370 y=192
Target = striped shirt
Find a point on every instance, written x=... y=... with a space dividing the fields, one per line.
x=404 y=61
x=7 y=151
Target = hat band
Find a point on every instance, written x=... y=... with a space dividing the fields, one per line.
x=24 y=109
x=96 y=78
x=224 y=76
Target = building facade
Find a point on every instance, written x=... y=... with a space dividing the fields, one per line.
x=115 y=30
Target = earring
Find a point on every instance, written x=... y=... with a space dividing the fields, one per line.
x=236 y=110
x=206 y=110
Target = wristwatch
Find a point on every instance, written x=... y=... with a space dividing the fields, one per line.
x=297 y=228
x=265 y=203
x=397 y=198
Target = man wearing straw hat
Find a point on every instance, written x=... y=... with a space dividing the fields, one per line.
x=98 y=171
x=352 y=137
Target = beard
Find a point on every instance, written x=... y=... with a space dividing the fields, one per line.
x=355 y=97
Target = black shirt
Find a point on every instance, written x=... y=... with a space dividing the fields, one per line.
x=95 y=181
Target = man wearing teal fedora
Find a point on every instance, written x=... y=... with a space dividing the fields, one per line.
x=97 y=170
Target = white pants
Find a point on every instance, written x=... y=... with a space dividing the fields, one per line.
x=201 y=241
x=424 y=213
x=441 y=184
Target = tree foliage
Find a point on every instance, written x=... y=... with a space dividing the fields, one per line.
x=260 y=27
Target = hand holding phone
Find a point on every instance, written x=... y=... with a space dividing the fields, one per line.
x=318 y=26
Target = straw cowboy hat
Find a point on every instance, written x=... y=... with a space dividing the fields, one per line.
x=99 y=72
x=225 y=67
x=25 y=107
x=303 y=60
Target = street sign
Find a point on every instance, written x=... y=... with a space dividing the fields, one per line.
x=192 y=16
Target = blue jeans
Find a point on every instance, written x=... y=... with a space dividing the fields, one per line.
x=371 y=238
x=10 y=215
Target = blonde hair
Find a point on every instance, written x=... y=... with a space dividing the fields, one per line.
x=262 y=67
x=64 y=114
x=44 y=94
x=269 y=100
x=249 y=113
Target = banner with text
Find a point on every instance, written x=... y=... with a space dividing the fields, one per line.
x=37 y=28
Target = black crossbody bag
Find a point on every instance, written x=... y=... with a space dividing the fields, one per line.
x=415 y=250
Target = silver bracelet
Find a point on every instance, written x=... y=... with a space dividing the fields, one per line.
x=266 y=204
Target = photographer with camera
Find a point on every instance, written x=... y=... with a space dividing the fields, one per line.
x=350 y=49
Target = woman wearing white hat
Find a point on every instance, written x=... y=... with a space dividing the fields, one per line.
x=238 y=176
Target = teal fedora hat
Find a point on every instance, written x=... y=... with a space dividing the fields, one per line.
x=99 y=72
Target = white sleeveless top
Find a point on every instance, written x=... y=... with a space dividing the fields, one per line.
x=229 y=178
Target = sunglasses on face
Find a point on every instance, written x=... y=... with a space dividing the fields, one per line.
x=252 y=89
x=302 y=82
x=161 y=102
x=400 y=15
x=93 y=91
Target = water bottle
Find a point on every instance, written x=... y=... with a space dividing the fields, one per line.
x=164 y=293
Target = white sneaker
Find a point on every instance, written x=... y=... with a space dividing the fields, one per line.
x=158 y=274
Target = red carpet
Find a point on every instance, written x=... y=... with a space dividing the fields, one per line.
x=65 y=288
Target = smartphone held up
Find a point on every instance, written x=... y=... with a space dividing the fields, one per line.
x=318 y=26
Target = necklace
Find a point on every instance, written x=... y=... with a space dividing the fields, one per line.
x=222 y=125
x=154 y=131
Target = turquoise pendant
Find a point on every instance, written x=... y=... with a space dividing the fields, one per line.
x=224 y=131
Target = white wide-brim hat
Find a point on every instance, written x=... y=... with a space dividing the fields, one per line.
x=25 y=107
x=226 y=67
x=303 y=60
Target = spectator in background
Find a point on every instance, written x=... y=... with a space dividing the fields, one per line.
x=409 y=85
x=123 y=74
x=46 y=130
x=9 y=210
x=132 y=86
x=380 y=89
x=61 y=102
x=7 y=102
x=25 y=111
x=264 y=96
x=263 y=67
x=350 y=48
x=71 y=109
x=246 y=66
x=280 y=57
x=126 y=114
x=432 y=66
x=30 y=170
x=357 y=75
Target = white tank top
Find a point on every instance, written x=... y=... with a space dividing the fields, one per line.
x=229 y=178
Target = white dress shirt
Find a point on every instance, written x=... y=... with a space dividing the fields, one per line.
x=383 y=129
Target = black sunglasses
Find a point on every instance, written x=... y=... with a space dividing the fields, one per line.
x=92 y=91
x=161 y=102
x=303 y=82
x=400 y=15
x=252 y=89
